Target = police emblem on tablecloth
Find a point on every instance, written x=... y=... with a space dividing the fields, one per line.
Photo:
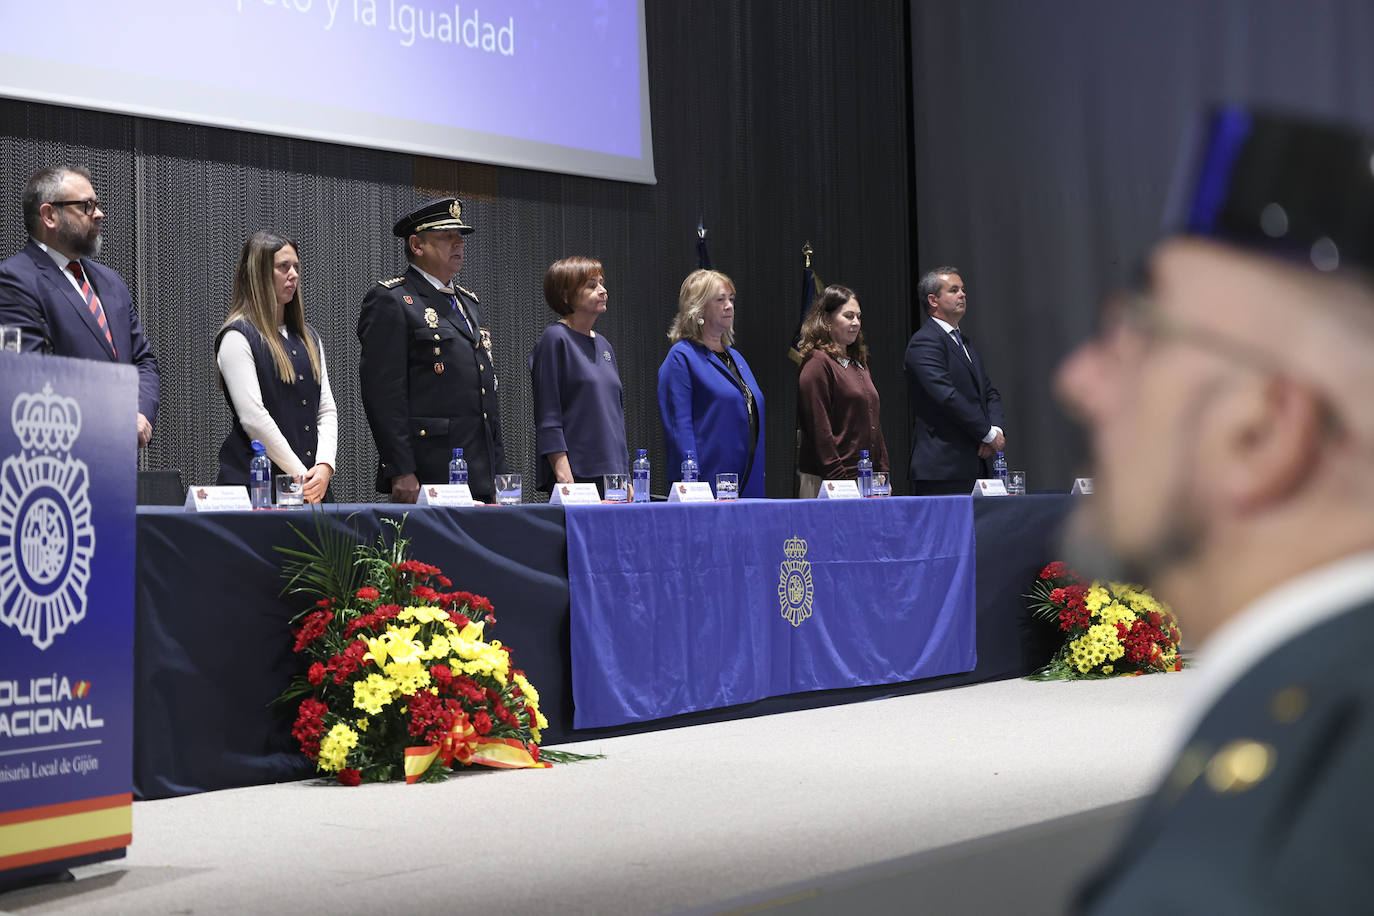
x=794 y=582
x=47 y=540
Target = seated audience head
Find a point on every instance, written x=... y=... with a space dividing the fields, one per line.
x=705 y=307
x=1227 y=397
x=833 y=325
x=573 y=282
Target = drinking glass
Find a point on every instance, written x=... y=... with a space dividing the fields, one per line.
x=882 y=484
x=1016 y=483
x=11 y=337
x=290 y=491
x=508 y=489
x=727 y=486
x=617 y=488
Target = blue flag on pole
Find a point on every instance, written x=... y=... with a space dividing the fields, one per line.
x=811 y=288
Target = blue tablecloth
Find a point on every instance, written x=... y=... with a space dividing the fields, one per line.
x=680 y=608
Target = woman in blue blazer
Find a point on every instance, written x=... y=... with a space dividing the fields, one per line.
x=708 y=398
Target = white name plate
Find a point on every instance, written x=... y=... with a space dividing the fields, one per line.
x=445 y=494
x=839 y=489
x=989 y=486
x=695 y=491
x=574 y=494
x=1082 y=486
x=217 y=499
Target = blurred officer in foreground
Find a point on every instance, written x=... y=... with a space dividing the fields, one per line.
x=1228 y=402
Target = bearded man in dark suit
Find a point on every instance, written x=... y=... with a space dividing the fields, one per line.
x=63 y=302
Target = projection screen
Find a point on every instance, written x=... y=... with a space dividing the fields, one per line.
x=555 y=85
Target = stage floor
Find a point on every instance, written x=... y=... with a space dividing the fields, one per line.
x=705 y=819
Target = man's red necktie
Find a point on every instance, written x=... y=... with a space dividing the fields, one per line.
x=92 y=301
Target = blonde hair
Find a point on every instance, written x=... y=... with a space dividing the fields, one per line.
x=255 y=301
x=698 y=289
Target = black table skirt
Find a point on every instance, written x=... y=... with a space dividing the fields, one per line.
x=213 y=645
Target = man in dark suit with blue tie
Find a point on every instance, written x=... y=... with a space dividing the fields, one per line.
x=63 y=302
x=1228 y=403
x=956 y=412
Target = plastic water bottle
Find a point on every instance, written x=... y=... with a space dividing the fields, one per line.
x=865 y=473
x=260 y=477
x=458 y=468
x=999 y=469
x=639 y=474
x=690 y=469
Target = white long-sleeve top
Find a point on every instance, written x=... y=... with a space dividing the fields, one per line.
x=235 y=360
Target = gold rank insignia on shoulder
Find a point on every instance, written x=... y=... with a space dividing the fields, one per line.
x=431 y=318
x=467 y=292
x=1240 y=766
x=392 y=283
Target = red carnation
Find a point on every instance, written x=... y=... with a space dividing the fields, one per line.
x=324 y=602
x=316 y=674
x=1055 y=570
x=446 y=582
x=310 y=725
x=482 y=723
x=368 y=593
x=425 y=594
x=312 y=628
x=459 y=620
x=350 y=777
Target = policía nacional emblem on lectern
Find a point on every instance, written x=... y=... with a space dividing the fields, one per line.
x=794 y=582
x=47 y=540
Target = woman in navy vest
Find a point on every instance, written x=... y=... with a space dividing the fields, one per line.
x=271 y=367
x=707 y=396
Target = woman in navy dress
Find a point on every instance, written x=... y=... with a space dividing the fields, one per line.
x=579 y=407
x=272 y=371
x=707 y=396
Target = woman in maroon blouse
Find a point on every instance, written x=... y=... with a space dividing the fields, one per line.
x=837 y=404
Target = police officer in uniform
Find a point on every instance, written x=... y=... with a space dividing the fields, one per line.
x=428 y=383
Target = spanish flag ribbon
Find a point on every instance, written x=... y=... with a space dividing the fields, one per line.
x=506 y=754
x=457 y=745
x=418 y=760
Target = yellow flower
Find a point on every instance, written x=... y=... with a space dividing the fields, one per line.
x=438 y=647
x=423 y=614
x=373 y=692
x=1106 y=669
x=408 y=676
x=1096 y=597
x=334 y=748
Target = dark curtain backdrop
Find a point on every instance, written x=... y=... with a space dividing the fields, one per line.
x=776 y=123
x=1044 y=138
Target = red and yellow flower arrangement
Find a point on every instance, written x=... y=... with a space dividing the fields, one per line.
x=1111 y=628
x=399 y=673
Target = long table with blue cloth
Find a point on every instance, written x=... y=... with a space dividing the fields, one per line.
x=625 y=618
